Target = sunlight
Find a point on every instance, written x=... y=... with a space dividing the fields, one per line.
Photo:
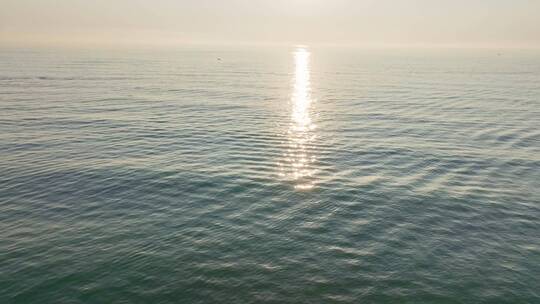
x=299 y=158
x=301 y=96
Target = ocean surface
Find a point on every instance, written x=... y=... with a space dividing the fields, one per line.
x=269 y=175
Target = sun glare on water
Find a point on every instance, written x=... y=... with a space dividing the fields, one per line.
x=299 y=158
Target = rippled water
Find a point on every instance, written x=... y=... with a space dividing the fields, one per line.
x=296 y=175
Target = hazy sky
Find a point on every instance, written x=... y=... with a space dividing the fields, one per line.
x=513 y=23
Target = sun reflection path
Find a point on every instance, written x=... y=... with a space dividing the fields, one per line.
x=298 y=164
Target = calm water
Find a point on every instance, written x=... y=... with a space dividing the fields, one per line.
x=294 y=175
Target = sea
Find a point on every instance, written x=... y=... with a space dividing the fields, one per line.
x=293 y=174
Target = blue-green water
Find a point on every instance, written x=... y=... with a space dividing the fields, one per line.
x=294 y=175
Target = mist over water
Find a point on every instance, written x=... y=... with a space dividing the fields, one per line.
x=273 y=175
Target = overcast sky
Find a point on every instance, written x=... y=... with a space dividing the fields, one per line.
x=499 y=23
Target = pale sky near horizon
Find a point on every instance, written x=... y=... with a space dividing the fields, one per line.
x=476 y=23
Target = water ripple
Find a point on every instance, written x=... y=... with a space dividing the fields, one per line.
x=287 y=176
